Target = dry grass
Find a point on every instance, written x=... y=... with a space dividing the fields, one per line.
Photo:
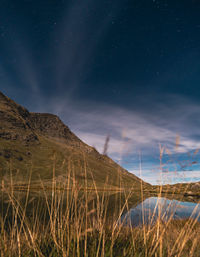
x=85 y=221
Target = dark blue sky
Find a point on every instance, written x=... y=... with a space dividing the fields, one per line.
x=129 y=69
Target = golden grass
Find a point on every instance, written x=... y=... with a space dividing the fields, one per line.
x=63 y=219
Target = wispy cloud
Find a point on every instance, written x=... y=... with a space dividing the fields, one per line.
x=139 y=131
x=168 y=178
x=20 y=75
x=78 y=34
x=132 y=132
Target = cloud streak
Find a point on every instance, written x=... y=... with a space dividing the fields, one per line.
x=140 y=130
x=83 y=26
x=156 y=178
x=132 y=132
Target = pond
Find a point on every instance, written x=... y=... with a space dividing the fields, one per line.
x=150 y=209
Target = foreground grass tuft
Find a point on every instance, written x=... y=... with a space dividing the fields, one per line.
x=80 y=222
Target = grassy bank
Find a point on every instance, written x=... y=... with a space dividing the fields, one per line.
x=83 y=221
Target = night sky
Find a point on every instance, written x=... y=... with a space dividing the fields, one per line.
x=127 y=69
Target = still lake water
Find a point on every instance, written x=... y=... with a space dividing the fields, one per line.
x=154 y=207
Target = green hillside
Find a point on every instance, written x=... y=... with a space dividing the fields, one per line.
x=42 y=146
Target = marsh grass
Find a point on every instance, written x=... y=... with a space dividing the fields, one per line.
x=67 y=219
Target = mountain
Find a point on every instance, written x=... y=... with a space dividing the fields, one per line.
x=40 y=145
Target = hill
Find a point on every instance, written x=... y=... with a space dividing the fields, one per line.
x=40 y=145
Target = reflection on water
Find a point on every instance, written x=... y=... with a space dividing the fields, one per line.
x=154 y=207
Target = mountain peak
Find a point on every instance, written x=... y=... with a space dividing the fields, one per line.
x=33 y=138
x=14 y=123
x=2 y=95
x=51 y=125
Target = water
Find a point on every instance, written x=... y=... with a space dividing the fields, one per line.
x=154 y=207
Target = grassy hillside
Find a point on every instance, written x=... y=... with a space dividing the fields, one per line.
x=43 y=146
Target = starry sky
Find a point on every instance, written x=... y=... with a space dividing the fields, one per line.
x=127 y=70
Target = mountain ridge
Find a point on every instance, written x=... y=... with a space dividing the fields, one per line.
x=29 y=139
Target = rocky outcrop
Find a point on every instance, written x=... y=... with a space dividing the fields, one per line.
x=14 y=122
x=17 y=123
x=50 y=125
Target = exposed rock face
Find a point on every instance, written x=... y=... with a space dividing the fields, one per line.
x=14 y=122
x=50 y=125
x=8 y=106
x=17 y=123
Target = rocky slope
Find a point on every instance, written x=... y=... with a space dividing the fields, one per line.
x=34 y=143
x=14 y=122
